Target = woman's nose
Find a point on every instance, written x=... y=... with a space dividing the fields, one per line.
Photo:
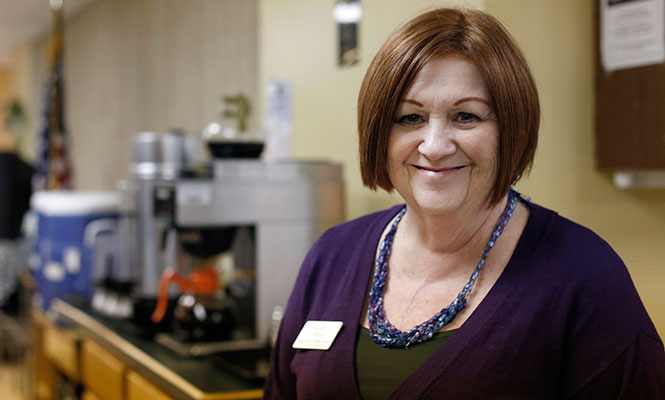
x=437 y=141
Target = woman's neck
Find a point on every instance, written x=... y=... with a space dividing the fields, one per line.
x=445 y=240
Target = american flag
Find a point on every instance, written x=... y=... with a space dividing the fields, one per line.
x=53 y=170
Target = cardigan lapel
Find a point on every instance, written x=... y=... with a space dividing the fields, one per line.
x=358 y=284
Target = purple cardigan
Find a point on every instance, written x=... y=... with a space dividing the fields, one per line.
x=563 y=321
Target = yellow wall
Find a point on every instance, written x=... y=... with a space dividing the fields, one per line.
x=558 y=39
x=27 y=83
x=297 y=42
x=6 y=85
x=6 y=93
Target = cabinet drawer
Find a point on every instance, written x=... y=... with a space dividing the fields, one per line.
x=101 y=372
x=138 y=388
x=61 y=348
x=88 y=395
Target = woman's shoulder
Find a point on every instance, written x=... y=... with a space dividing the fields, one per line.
x=353 y=230
x=596 y=300
x=581 y=261
x=565 y=239
x=586 y=274
x=343 y=246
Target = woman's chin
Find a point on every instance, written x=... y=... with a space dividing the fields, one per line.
x=436 y=205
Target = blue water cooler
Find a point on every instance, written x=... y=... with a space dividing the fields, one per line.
x=67 y=225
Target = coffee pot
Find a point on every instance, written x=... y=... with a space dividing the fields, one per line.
x=201 y=313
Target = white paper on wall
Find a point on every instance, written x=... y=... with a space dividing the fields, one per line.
x=278 y=120
x=631 y=33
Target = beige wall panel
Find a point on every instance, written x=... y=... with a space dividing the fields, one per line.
x=148 y=65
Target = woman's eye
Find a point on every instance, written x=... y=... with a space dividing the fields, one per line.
x=466 y=117
x=410 y=119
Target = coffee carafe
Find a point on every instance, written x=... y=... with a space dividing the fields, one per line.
x=202 y=313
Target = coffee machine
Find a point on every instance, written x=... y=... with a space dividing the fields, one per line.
x=149 y=237
x=255 y=219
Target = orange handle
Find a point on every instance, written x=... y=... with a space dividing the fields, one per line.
x=202 y=281
x=162 y=301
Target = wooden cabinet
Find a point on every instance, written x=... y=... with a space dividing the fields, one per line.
x=43 y=370
x=88 y=395
x=630 y=122
x=102 y=373
x=138 y=388
x=630 y=127
x=60 y=347
x=103 y=376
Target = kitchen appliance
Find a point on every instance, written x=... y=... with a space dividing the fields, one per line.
x=148 y=240
x=275 y=211
x=251 y=222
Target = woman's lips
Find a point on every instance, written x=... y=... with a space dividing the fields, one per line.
x=438 y=172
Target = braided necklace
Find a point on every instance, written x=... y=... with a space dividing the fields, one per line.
x=385 y=333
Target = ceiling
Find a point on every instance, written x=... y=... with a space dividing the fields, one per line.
x=21 y=20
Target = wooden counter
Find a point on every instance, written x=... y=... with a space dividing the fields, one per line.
x=114 y=364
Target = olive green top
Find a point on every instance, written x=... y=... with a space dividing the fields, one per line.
x=380 y=370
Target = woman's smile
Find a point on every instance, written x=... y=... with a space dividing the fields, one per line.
x=438 y=172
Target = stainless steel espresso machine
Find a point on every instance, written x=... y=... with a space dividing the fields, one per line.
x=250 y=221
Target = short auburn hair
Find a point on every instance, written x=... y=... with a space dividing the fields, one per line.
x=482 y=40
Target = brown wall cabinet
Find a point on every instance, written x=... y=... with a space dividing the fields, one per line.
x=630 y=115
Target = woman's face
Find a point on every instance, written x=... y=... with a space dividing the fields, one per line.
x=442 y=149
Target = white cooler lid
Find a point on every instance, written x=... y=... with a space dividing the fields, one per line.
x=75 y=202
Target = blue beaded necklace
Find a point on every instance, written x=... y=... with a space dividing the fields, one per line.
x=386 y=334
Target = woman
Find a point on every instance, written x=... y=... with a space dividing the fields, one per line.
x=469 y=291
